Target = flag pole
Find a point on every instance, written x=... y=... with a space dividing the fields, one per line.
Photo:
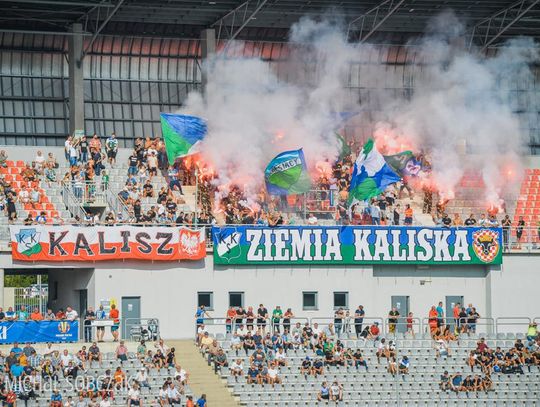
x=196 y=194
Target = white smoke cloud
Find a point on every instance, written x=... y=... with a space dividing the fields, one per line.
x=253 y=115
x=460 y=110
x=459 y=103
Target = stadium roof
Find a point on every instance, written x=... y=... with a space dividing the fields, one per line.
x=392 y=20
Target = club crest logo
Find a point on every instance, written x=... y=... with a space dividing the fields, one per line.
x=228 y=244
x=486 y=244
x=63 y=327
x=28 y=241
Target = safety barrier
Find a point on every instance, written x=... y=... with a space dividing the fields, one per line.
x=137 y=329
x=219 y=327
x=488 y=324
x=521 y=322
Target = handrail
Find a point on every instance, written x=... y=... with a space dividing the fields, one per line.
x=501 y=321
x=492 y=325
x=489 y=323
x=116 y=204
x=73 y=204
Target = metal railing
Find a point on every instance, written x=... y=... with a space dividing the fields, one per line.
x=72 y=203
x=521 y=322
x=219 y=327
x=116 y=205
x=137 y=329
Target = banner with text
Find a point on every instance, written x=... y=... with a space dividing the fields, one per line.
x=97 y=243
x=36 y=332
x=356 y=245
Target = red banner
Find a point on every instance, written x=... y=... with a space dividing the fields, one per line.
x=37 y=243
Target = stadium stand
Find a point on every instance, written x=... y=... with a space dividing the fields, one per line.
x=413 y=370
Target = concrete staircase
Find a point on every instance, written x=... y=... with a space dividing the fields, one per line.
x=201 y=376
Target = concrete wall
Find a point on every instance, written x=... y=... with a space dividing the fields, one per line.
x=169 y=290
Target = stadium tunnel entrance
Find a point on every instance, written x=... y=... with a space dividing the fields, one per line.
x=43 y=288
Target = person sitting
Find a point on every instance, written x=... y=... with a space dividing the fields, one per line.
x=381 y=350
x=444 y=384
x=306 y=367
x=404 y=365
x=237 y=369
x=336 y=391
x=253 y=374
x=456 y=383
x=324 y=392
x=272 y=374
x=359 y=360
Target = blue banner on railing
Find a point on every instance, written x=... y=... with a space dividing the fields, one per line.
x=42 y=331
x=356 y=245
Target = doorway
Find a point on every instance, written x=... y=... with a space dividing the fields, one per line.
x=401 y=302
x=131 y=314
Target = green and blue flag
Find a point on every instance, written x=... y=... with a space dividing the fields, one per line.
x=181 y=133
x=371 y=174
x=287 y=174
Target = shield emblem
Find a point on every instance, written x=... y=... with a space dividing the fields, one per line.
x=486 y=244
x=28 y=241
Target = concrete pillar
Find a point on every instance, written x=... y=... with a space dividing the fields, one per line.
x=2 y=288
x=76 y=80
x=208 y=48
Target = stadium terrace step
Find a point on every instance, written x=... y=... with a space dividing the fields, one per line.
x=201 y=377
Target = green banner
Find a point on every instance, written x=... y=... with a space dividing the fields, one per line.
x=237 y=245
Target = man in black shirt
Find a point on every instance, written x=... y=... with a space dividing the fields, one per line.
x=446 y=221
x=393 y=316
x=83 y=148
x=262 y=316
x=396 y=214
x=148 y=189
x=470 y=221
x=359 y=320
x=132 y=160
x=89 y=316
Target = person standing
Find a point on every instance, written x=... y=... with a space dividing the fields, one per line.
x=393 y=316
x=111 y=145
x=114 y=314
x=440 y=316
x=506 y=225
x=89 y=316
x=277 y=314
x=100 y=330
x=359 y=320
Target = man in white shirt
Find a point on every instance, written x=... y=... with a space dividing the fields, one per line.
x=237 y=368
x=142 y=377
x=241 y=331
x=180 y=374
x=312 y=220
x=161 y=346
x=317 y=329
x=134 y=396
x=50 y=349
x=272 y=374
x=105 y=402
x=173 y=394
x=281 y=357
x=65 y=358
x=71 y=314
x=441 y=348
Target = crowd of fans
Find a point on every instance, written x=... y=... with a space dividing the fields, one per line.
x=29 y=373
x=90 y=161
x=268 y=338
